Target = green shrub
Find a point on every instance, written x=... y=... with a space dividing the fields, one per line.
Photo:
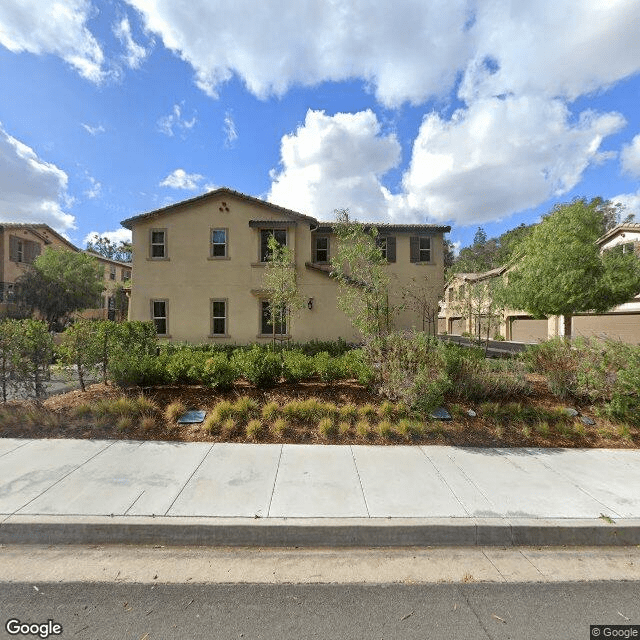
x=354 y=365
x=186 y=367
x=138 y=370
x=297 y=366
x=328 y=368
x=258 y=365
x=219 y=372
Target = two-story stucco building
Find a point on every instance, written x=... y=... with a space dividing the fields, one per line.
x=199 y=267
x=22 y=243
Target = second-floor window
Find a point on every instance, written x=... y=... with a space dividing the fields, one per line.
x=387 y=246
x=420 y=249
x=321 y=253
x=218 y=243
x=23 y=250
x=112 y=273
x=281 y=238
x=126 y=275
x=158 y=243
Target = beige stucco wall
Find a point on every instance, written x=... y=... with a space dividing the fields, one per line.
x=189 y=279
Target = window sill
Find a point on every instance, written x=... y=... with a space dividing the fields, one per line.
x=218 y=335
x=279 y=336
x=158 y=259
x=426 y=264
x=164 y=335
x=214 y=258
x=258 y=264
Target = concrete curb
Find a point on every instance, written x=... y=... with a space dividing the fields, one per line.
x=317 y=532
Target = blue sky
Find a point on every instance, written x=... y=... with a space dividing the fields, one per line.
x=459 y=112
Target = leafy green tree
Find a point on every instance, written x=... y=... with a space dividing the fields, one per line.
x=561 y=271
x=10 y=363
x=120 y=251
x=34 y=354
x=82 y=347
x=363 y=280
x=60 y=283
x=281 y=284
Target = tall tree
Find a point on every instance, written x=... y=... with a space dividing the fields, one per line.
x=120 y=251
x=363 y=280
x=60 y=283
x=281 y=284
x=561 y=271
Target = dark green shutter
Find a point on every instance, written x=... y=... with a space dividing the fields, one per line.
x=391 y=248
x=414 y=249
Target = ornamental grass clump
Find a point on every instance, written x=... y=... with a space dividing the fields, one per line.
x=367 y=411
x=270 y=411
x=348 y=412
x=245 y=408
x=344 y=428
x=385 y=429
x=278 y=427
x=387 y=410
x=364 y=428
x=229 y=427
x=253 y=429
x=147 y=423
x=327 y=428
x=174 y=410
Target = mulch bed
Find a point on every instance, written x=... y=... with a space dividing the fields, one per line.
x=55 y=419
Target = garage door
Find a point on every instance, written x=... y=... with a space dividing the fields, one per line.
x=458 y=325
x=619 y=326
x=528 y=330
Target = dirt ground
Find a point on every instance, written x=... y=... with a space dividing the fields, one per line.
x=58 y=417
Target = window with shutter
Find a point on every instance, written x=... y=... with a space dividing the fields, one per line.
x=414 y=249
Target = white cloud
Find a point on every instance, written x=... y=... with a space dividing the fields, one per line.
x=230 y=131
x=94 y=189
x=551 y=47
x=117 y=236
x=308 y=43
x=179 y=179
x=135 y=53
x=500 y=156
x=630 y=157
x=94 y=131
x=335 y=162
x=167 y=124
x=57 y=27
x=630 y=202
x=406 y=50
x=31 y=190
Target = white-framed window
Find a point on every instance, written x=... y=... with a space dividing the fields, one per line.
x=266 y=328
x=321 y=253
x=425 y=249
x=219 y=317
x=160 y=316
x=281 y=238
x=158 y=244
x=219 y=239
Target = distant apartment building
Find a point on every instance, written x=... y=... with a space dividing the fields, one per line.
x=22 y=243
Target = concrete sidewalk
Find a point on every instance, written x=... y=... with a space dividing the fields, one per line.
x=88 y=491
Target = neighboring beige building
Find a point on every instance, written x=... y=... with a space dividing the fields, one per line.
x=22 y=243
x=117 y=275
x=199 y=268
x=620 y=323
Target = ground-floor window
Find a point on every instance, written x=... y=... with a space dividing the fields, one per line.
x=265 y=324
x=219 y=317
x=159 y=315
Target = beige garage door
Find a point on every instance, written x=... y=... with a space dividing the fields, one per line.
x=458 y=325
x=528 y=330
x=625 y=327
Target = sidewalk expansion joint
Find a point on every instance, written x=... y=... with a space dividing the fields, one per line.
x=275 y=479
x=445 y=483
x=364 y=497
x=188 y=479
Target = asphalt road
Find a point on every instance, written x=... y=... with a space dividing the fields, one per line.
x=368 y=612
